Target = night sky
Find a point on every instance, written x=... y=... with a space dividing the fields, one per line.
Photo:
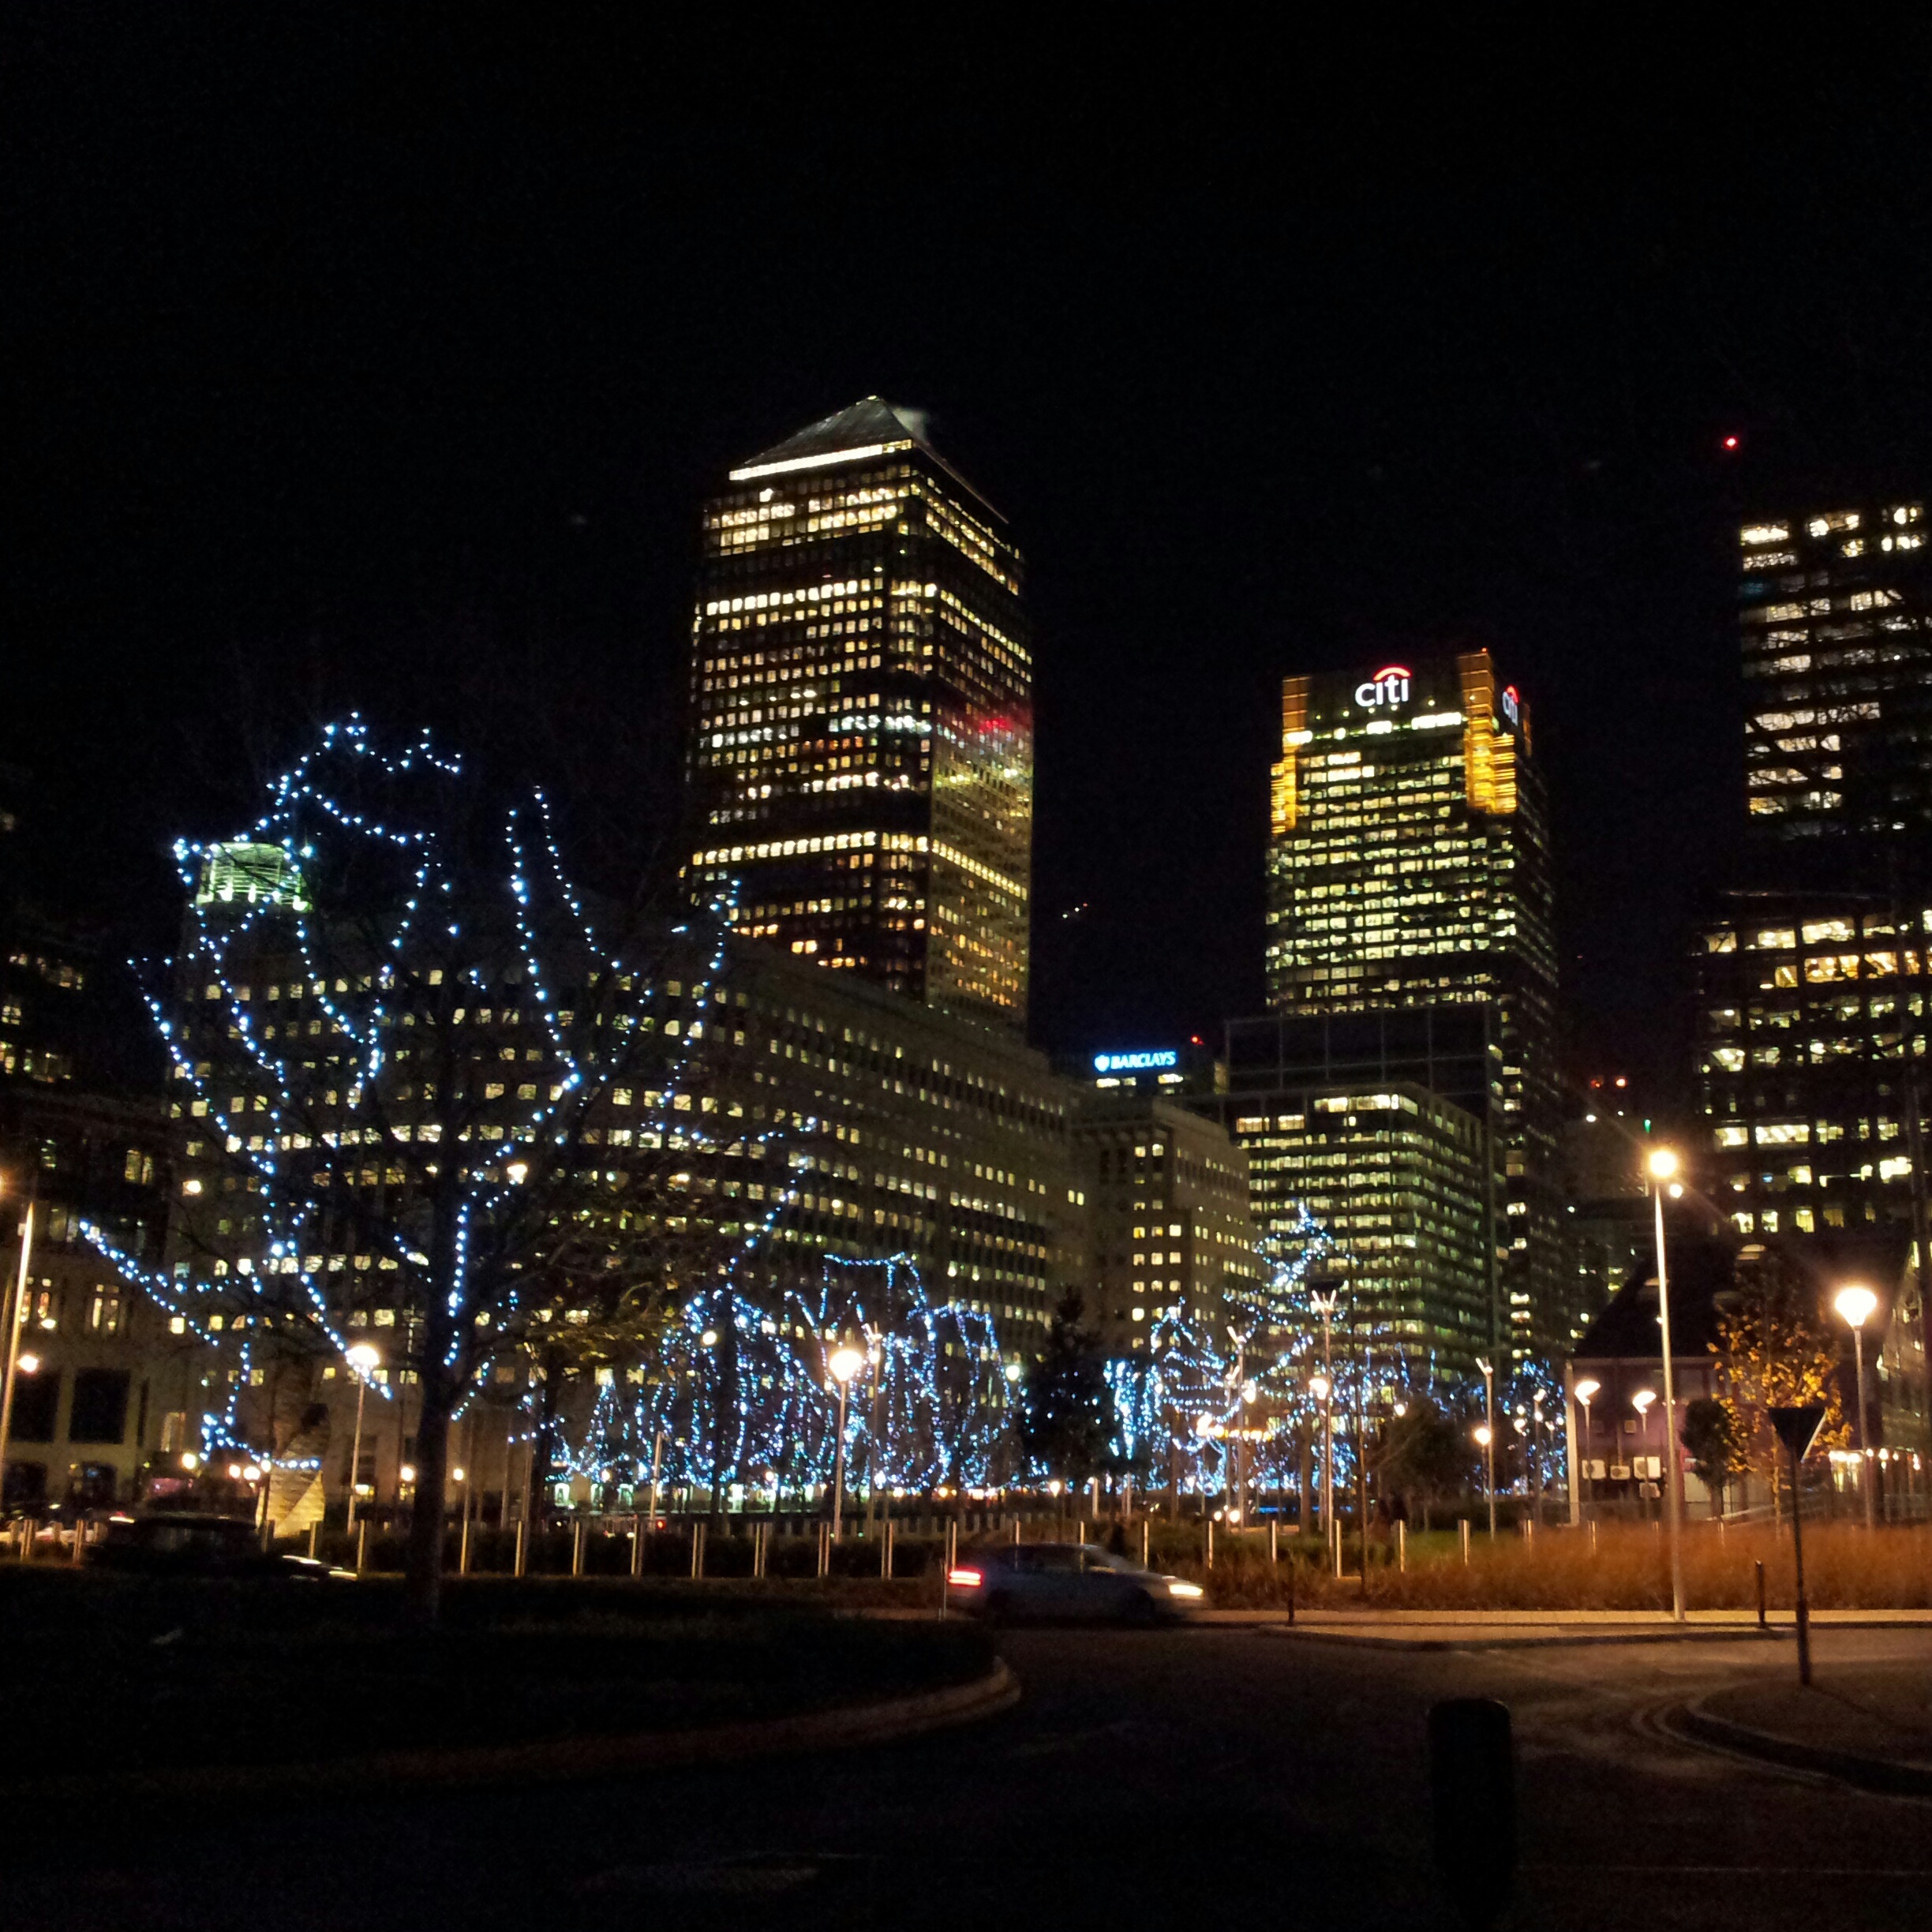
x=379 y=358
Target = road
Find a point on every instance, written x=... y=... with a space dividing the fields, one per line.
x=1178 y=1778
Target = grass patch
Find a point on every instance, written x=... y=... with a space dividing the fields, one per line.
x=104 y=1673
x=1846 y=1568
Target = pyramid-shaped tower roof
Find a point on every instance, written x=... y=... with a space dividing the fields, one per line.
x=871 y=423
x=869 y=427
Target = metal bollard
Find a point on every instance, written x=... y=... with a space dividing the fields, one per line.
x=825 y=1549
x=1463 y=1526
x=361 y=1546
x=1209 y=1542
x=462 y=1548
x=1147 y=1542
x=1763 y=1621
x=1274 y=1541
x=28 y=1525
x=523 y=1547
x=698 y=1532
x=79 y=1541
x=577 y=1548
x=315 y=1539
x=1402 y=1547
x=637 y=1546
x=886 y=1549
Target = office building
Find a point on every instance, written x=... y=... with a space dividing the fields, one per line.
x=1410 y=868
x=1837 y=662
x=861 y=759
x=1373 y=1123
x=1811 y=1015
x=1171 y=1223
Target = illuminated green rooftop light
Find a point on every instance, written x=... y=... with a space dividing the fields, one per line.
x=242 y=873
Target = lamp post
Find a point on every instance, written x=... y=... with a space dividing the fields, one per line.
x=844 y=1363
x=1583 y=1391
x=1323 y=1386
x=362 y=1358
x=1322 y=1389
x=1856 y=1304
x=1536 y=1428
x=17 y=1319
x=1662 y=1165
x=1486 y=1435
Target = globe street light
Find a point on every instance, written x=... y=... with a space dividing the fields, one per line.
x=1663 y=1165
x=845 y=1363
x=362 y=1358
x=1856 y=1304
x=1583 y=1391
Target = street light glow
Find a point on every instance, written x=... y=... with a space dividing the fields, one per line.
x=1662 y=1163
x=1320 y=1388
x=846 y=1363
x=27 y=1364
x=1586 y=1388
x=363 y=1357
x=1482 y=1434
x=1856 y=1303
x=1640 y=1402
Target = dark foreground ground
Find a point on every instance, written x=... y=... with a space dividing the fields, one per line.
x=1184 y=1778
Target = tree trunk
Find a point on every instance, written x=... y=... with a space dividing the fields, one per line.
x=422 y=1592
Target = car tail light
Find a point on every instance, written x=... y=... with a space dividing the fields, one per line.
x=964 y=1579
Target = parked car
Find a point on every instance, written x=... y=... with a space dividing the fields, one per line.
x=1068 y=1582
x=188 y=1543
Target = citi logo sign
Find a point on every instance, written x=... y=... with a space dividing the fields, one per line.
x=1389 y=685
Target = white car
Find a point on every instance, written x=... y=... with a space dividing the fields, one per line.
x=1067 y=1583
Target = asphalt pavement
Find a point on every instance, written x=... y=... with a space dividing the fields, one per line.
x=1182 y=1778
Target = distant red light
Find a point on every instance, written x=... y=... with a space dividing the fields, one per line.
x=964 y=1579
x=1730 y=442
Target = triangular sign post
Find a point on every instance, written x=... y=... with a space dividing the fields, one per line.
x=1797 y=1425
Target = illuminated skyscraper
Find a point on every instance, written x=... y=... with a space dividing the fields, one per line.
x=862 y=746
x=1833 y=609
x=1409 y=866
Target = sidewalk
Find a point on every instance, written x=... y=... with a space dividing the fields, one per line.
x=1443 y=1630
x=1871 y=1725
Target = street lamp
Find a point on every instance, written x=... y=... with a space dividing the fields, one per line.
x=1856 y=1304
x=1486 y=1435
x=363 y=1359
x=14 y=1362
x=845 y=1363
x=1583 y=1391
x=1663 y=1165
x=1322 y=1389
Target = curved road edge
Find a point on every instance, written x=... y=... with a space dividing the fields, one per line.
x=562 y=1760
x=1692 y=1722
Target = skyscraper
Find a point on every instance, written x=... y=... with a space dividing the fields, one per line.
x=1409 y=866
x=1811 y=1012
x=861 y=756
x=1833 y=610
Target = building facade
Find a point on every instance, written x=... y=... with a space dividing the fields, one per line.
x=1409 y=868
x=1399 y=1177
x=1833 y=611
x=861 y=759
x=1810 y=1018
x=1171 y=1222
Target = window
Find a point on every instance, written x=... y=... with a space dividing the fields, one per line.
x=100 y=1404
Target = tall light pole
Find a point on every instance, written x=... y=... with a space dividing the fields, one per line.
x=1322 y=1389
x=1486 y=1435
x=1583 y=1391
x=1324 y=1306
x=1536 y=1427
x=17 y=1319
x=1856 y=1304
x=1663 y=1164
x=362 y=1358
x=845 y=1363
